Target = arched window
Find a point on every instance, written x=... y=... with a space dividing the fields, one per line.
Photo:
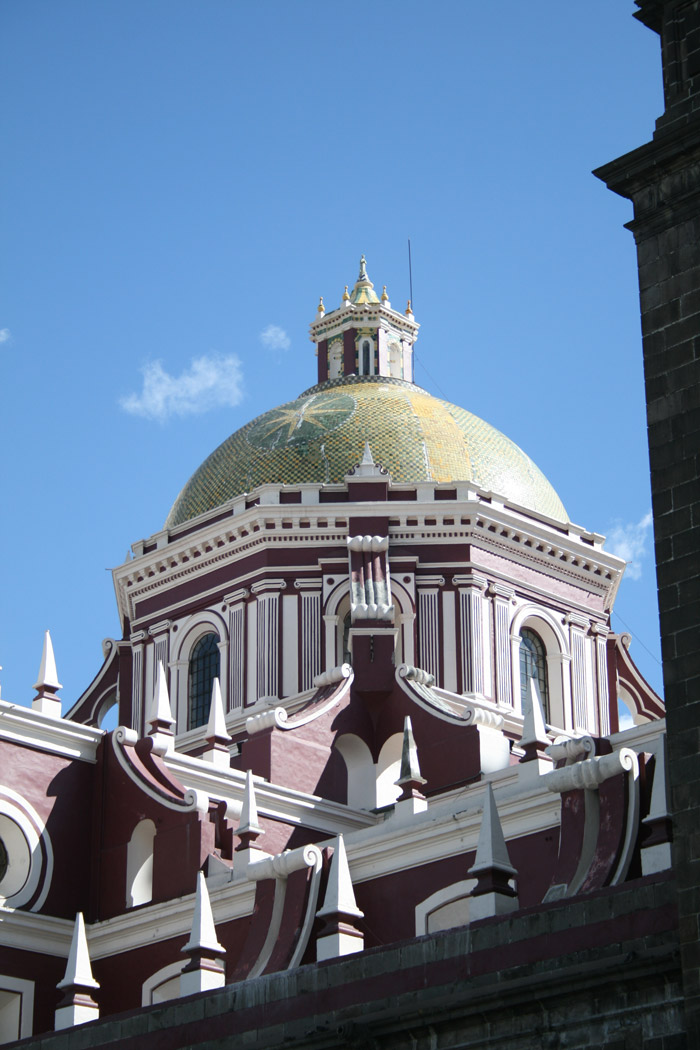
x=139 y=864
x=335 y=360
x=366 y=352
x=533 y=664
x=204 y=668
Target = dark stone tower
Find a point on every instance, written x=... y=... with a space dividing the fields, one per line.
x=662 y=179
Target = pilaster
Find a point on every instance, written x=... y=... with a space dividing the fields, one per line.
x=236 y=648
x=472 y=587
x=138 y=638
x=160 y=633
x=600 y=634
x=310 y=635
x=428 y=600
x=578 y=625
x=267 y=656
x=502 y=595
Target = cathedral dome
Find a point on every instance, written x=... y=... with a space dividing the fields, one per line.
x=320 y=436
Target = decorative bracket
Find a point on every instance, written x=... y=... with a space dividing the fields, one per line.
x=370 y=589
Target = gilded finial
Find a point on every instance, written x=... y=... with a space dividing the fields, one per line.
x=409 y=311
x=321 y=308
x=385 y=297
x=346 y=295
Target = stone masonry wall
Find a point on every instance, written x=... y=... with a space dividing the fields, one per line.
x=662 y=179
x=597 y=971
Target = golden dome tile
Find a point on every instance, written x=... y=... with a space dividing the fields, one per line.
x=320 y=436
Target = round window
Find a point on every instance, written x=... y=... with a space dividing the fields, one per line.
x=4 y=860
x=15 y=857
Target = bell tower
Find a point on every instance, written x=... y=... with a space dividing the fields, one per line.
x=365 y=336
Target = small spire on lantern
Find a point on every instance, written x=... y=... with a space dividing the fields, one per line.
x=383 y=340
x=363 y=292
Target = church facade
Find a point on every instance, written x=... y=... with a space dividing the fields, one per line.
x=367 y=749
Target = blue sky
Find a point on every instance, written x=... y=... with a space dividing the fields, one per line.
x=181 y=181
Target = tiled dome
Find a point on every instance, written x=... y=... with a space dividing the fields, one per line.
x=320 y=437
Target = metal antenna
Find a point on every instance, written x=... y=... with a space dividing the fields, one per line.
x=410 y=273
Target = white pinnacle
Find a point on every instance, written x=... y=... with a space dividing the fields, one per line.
x=160 y=708
x=367 y=460
x=534 y=727
x=340 y=896
x=249 y=810
x=216 y=726
x=78 y=969
x=48 y=677
x=410 y=770
x=203 y=934
x=491 y=851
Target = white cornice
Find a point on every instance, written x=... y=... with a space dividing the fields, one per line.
x=154 y=922
x=450 y=826
x=161 y=922
x=35 y=933
x=383 y=845
x=566 y=552
x=31 y=728
x=285 y=804
x=359 y=315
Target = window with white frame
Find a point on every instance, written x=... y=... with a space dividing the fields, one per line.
x=335 y=360
x=204 y=667
x=16 y=1008
x=533 y=664
x=366 y=357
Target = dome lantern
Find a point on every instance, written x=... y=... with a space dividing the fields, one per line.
x=365 y=336
x=365 y=394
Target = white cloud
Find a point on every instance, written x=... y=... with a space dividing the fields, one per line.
x=630 y=542
x=209 y=382
x=5 y=335
x=275 y=338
